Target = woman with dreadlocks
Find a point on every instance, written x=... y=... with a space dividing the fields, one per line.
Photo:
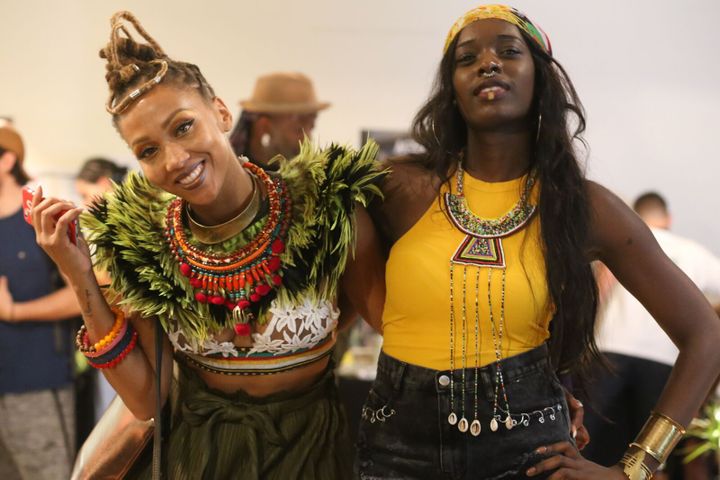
x=243 y=270
x=496 y=226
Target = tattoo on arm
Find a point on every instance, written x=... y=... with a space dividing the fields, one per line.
x=87 y=307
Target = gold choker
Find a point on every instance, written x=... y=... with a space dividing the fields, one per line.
x=211 y=235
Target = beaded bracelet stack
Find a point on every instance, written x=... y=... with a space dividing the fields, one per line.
x=113 y=347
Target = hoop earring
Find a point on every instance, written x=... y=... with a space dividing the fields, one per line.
x=437 y=140
x=265 y=140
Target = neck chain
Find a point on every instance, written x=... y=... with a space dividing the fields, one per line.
x=240 y=278
x=482 y=248
x=466 y=221
x=214 y=234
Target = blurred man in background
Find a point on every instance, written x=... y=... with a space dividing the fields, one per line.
x=639 y=351
x=281 y=112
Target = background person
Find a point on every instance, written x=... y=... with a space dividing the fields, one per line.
x=96 y=177
x=640 y=353
x=277 y=117
x=37 y=420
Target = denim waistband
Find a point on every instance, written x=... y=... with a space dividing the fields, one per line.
x=416 y=377
x=407 y=430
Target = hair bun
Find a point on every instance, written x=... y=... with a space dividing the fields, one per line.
x=129 y=50
x=123 y=53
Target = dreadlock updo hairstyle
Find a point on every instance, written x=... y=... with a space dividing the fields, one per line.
x=563 y=202
x=134 y=68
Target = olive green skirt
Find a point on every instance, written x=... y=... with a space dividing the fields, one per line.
x=285 y=436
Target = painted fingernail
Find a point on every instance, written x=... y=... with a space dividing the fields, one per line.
x=541 y=450
x=574 y=432
x=579 y=403
x=531 y=471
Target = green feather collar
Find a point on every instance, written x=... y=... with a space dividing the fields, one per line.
x=126 y=231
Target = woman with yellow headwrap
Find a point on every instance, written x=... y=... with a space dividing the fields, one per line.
x=490 y=293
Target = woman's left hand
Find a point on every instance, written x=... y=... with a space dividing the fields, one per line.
x=566 y=463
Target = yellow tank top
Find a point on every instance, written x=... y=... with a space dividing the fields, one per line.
x=416 y=317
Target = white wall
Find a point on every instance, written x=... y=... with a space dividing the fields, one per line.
x=647 y=71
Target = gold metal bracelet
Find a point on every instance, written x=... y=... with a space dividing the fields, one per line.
x=659 y=436
x=634 y=466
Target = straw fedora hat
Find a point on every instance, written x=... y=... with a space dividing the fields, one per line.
x=11 y=141
x=283 y=93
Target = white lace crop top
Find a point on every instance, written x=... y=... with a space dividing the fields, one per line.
x=294 y=336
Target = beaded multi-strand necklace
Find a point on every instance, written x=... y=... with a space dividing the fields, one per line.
x=481 y=247
x=240 y=278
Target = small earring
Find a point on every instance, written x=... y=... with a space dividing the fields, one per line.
x=537 y=135
x=265 y=140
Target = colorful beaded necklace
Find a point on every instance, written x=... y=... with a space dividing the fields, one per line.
x=466 y=221
x=481 y=247
x=242 y=277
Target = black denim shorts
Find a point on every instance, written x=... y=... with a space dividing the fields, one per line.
x=405 y=434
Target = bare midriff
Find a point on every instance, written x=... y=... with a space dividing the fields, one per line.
x=263 y=385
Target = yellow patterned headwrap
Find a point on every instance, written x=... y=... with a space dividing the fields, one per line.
x=501 y=12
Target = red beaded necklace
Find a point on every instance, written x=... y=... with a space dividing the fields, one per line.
x=240 y=278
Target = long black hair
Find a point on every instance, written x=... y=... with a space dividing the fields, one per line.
x=563 y=202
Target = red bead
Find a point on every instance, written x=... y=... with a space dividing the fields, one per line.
x=277 y=280
x=274 y=264
x=278 y=246
x=242 y=329
x=201 y=297
x=185 y=269
x=230 y=305
x=243 y=304
x=263 y=289
x=217 y=300
x=195 y=282
x=255 y=297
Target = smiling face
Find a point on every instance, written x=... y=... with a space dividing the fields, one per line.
x=494 y=75
x=179 y=139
